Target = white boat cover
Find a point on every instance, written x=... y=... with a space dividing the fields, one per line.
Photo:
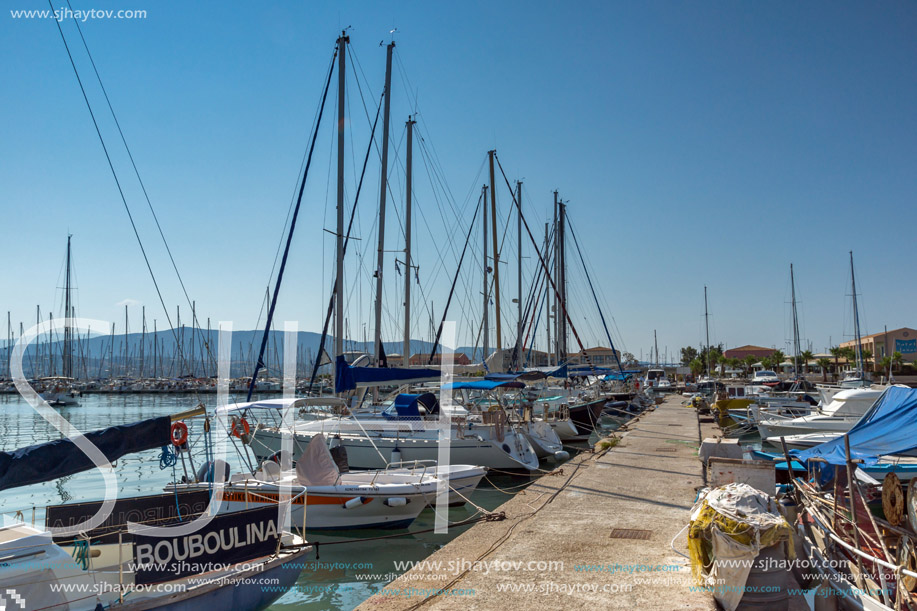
x=316 y=467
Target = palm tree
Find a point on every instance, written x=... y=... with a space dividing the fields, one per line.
x=722 y=361
x=824 y=364
x=806 y=356
x=885 y=363
x=748 y=361
x=897 y=359
x=836 y=352
x=867 y=356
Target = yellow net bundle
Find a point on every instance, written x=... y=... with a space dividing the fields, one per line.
x=747 y=516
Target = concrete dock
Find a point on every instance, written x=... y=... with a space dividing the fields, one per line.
x=558 y=546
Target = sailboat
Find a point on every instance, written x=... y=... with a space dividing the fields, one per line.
x=856 y=378
x=58 y=390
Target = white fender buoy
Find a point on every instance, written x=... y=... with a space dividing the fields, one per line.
x=561 y=455
x=354 y=502
x=396 y=501
x=396 y=456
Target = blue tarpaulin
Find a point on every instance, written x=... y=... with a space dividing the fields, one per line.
x=483 y=385
x=349 y=378
x=889 y=427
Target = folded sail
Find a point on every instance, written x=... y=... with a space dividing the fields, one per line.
x=350 y=378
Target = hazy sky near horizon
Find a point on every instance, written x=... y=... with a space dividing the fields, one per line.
x=697 y=144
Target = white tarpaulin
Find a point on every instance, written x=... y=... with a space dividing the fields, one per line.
x=316 y=467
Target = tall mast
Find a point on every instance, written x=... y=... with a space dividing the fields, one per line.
x=547 y=296
x=193 y=334
x=518 y=363
x=707 y=328
x=142 y=340
x=339 y=280
x=795 y=323
x=856 y=319
x=68 y=355
x=155 y=348
x=556 y=295
x=124 y=352
x=562 y=280
x=111 y=353
x=493 y=224
x=485 y=344
x=383 y=189
x=406 y=348
x=9 y=344
x=656 y=347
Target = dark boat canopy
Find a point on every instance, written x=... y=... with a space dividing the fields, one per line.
x=349 y=378
x=54 y=459
x=524 y=376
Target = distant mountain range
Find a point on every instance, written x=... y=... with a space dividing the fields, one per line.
x=137 y=354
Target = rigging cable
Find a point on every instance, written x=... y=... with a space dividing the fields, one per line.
x=283 y=263
x=597 y=304
x=321 y=345
x=541 y=260
x=140 y=181
x=115 y=176
x=439 y=331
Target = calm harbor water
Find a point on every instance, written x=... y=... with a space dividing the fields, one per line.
x=344 y=575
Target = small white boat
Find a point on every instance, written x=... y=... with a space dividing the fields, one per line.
x=330 y=499
x=839 y=416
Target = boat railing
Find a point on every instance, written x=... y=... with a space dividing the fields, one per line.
x=559 y=414
x=415 y=464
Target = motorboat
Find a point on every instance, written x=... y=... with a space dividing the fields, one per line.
x=59 y=392
x=764 y=377
x=656 y=380
x=329 y=498
x=839 y=416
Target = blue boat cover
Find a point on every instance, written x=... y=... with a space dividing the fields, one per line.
x=550 y=372
x=889 y=427
x=617 y=375
x=349 y=378
x=48 y=461
x=483 y=385
x=406 y=407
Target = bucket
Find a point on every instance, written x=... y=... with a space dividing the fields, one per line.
x=766 y=586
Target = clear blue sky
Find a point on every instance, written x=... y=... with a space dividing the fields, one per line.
x=697 y=143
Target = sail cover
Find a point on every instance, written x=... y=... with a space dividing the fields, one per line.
x=54 y=459
x=350 y=378
x=889 y=427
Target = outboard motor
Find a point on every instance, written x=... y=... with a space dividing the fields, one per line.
x=339 y=454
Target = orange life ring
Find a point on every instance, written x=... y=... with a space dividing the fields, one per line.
x=238 y=431
x=179 y=433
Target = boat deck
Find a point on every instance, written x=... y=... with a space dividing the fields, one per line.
x=645 y=486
